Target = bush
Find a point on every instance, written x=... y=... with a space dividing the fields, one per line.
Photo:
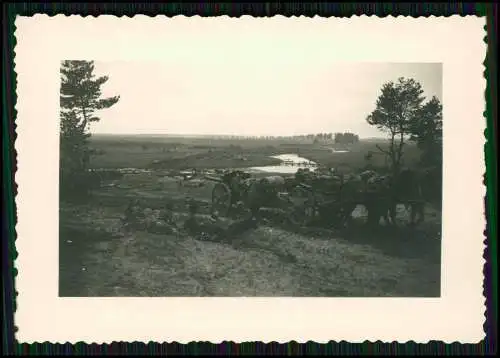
x=77 y=186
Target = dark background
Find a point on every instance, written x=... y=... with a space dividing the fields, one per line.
x=10 y=10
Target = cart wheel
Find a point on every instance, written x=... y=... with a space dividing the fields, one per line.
x=221 y=199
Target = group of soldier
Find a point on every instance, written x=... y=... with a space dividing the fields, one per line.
x=378 y=192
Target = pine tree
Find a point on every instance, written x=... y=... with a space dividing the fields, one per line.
x=402 y=111
x=427 y=132
x=79 y=101
x=395 y=111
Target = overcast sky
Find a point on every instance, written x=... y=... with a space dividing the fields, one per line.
x=218 y=90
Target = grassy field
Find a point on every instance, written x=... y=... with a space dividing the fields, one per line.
x=186 y=153
x=99 y=257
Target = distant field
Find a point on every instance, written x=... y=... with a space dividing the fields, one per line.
x=186 y=153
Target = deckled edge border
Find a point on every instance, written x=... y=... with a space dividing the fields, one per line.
x=489 y=209
x=490 y=265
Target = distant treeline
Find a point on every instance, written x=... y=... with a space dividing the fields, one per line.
x=346 y=138
x=339 y=138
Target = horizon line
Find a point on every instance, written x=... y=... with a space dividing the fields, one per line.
x=219 y=135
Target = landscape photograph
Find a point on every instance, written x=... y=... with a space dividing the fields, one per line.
x=268 y=177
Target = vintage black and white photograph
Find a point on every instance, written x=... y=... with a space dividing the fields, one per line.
x=288 y=180
x=316 y=178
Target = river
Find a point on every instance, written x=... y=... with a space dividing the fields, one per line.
x=290 y=164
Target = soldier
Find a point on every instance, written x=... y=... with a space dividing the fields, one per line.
x=190 y=224
x=132 y=214
x=166 y=214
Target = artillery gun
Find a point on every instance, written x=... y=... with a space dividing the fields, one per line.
x=230 y=188
x=307 y=198
x=236 y=187
x=298 y=197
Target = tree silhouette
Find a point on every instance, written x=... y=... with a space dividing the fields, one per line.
x=427 y=131
x=80 y=98
x=346 y=138
x=396 y=109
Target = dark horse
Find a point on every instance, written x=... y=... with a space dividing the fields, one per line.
x=414 y=188
x=264 y=193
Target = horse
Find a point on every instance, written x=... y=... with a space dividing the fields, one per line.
x=263 y=192
x=379 y=200
x=410 y=189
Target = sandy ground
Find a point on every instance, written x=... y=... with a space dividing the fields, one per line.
x=99 y=258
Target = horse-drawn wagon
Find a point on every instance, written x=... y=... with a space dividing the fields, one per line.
x=304 y=201
x=330 y=198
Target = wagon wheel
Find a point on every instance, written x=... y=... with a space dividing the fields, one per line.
x=302 y=210
x=221 y=199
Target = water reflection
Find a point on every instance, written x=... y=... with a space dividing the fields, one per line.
x=290 y=164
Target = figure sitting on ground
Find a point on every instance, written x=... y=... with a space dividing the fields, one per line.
x=199 y=229
x=133 y=214
x=190 y=224
x=166 y=214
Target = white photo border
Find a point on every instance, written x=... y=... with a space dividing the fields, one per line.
x=457 y=316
